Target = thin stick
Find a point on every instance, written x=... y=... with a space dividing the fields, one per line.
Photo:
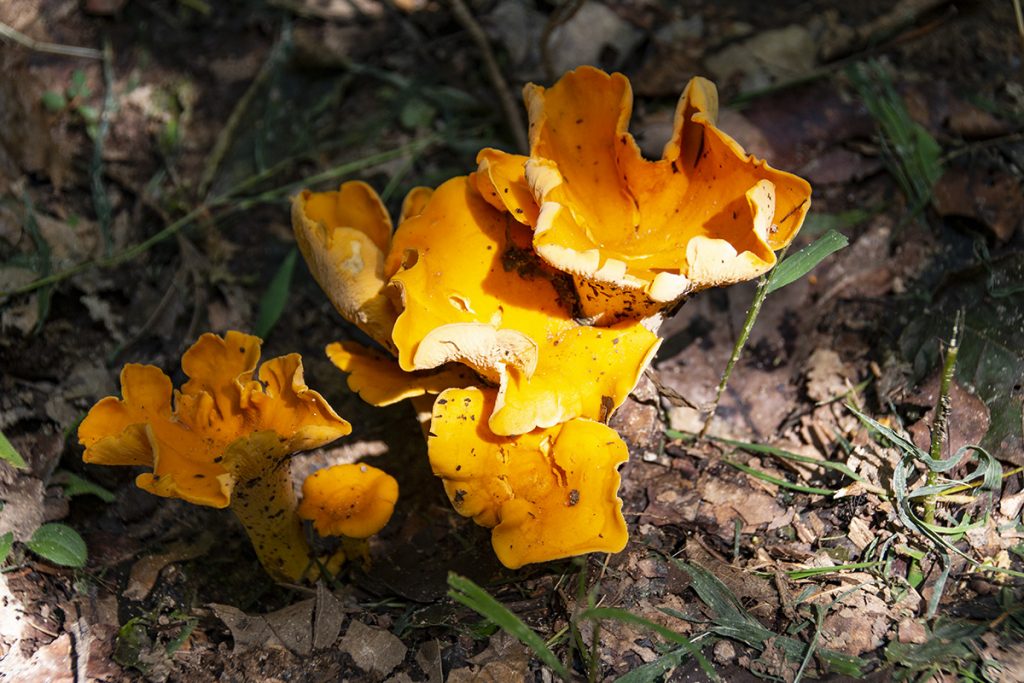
x=755 y=308
x=941 y=422
x=225 y=201
x=508 y=105
x=100 y=200
x=227 y=133
x=1020 y=20
x=20 y=38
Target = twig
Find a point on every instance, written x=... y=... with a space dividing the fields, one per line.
x=737 y=349
x=13 y=34
x=100 y=200
x=1019 y=15
x=508 y=105
x=228 y=203
x=227 y=133
x=941 y=421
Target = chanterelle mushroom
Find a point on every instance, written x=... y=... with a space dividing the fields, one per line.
x=548 y=494
x=223 y=440
x=353 y=500
x=344 y=237
x=638 y=235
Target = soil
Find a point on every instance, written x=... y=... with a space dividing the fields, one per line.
x=198 y=120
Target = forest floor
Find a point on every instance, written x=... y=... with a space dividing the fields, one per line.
x=147 y=176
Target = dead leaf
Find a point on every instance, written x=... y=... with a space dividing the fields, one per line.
x=768 y=57
x=144 y=573
x=826 y=375
x=50 y=663
x=299 y=628
x=993 y=198
x=373 y=650
x=593 y=35
x=429 y=659
x=31 y=140
x=329 y=615
x=728 y=500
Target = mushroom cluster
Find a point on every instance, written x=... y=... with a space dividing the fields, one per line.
x=517 y=306
x=225 y=439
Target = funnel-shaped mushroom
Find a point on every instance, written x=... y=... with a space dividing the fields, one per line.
x=548 y=494
x=344 y=237
x=353 y=500
x=223 y=440
x=638 y=235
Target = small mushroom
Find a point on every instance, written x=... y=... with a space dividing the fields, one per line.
x=379 y=380
x=638 y=235
x=548 y=494
x=353 y=500
x=344 y=237
x=224 y=440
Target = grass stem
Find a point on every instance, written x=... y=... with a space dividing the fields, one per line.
x=941 y=423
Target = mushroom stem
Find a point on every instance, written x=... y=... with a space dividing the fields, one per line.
x=264 y=502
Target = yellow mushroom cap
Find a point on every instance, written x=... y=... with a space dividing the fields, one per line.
x=199 y=443
x=638 y=235
x=460 y=301
x=344 y=236
x=548 y=494
x=354 y=500
x=379 y=381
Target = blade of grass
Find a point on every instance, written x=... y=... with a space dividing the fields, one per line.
x=471 y=595
x=10 y=455
x=805 y=260
x=763 y=476
x=666 y=633
x=276 y=297
x=732 y=621
x=798 y=574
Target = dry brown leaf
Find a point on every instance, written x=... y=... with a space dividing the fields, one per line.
x=373 y=650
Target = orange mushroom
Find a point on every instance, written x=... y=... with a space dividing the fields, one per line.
x=344 y=236
x=223 y=440
x=548 y=494
x=352 y=500
x=638 y=235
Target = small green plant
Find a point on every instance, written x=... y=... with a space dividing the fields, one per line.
x=9 y=454
x=987 y=475
x=912 y=155
x=59 y=544
x=73 y=99
x=6 y=543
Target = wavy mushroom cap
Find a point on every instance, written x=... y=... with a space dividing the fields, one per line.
x=638 y=235
x=344 y=237
x=354 y=500
x=548 y=494
x=203 y=440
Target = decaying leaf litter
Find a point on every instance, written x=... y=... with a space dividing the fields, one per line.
x=778 y=547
